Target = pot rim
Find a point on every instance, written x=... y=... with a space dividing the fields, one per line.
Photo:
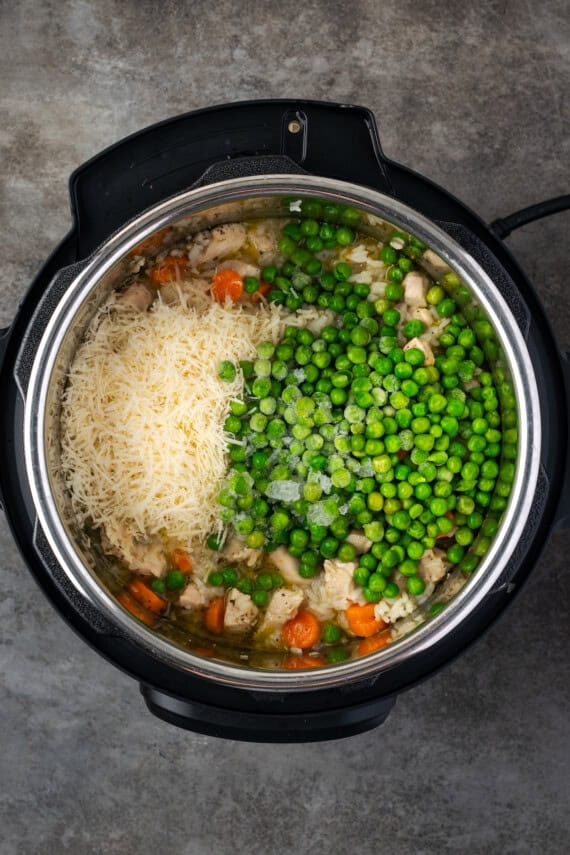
x=431 y=632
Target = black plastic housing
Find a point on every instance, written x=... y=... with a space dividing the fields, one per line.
x=332 y=140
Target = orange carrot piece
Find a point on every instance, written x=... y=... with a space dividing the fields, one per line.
x=376 y=642
x=144 y=595
x=203 y=651
x=264 y=288
x=136 y=609
x=214 y=617
x=183 y=561
x=361 y=620
x=151 y=242
x=227 y=283
x=294 y=662
x=303 y=631
x=170 y=269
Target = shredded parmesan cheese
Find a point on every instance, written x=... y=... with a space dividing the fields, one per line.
x=143 y=441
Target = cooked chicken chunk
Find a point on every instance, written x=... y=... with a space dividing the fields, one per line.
x=198 y=594
x=433 y=264
x=318 y=322
x=421 y=314
x=424 y=347
x=192 y=597
x=264 y=242
x=432 y=565
x=288 y=566
x=359 y=541
x=392 y=610
x=224 y=240
x=415 y=287
x=283 y=606
x=175 y=293
x=137 y=296
x=240 y=613
x=145 y=558
x=335 y=589
x=236 y=550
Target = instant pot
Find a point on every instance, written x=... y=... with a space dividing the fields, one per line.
x=225 y=164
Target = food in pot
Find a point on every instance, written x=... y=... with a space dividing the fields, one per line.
x=286 y=434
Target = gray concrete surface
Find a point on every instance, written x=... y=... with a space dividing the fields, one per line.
x=477 y=760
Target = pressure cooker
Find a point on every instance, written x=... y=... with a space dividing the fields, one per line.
x=225 y=164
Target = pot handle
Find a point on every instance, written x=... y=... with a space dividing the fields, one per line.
x=562 y=517
x=333 y=140
x=266 y=727
x=4 y=336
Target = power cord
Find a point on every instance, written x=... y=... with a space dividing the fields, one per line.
x=502 y=227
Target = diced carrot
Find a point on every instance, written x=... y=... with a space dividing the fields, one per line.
x=170 y=269
x=182 y=560
x=136 y=609
x=303 y=631
x=151 y=242
x=361 y=620
x=144 y=595
x=375 y=642
x=214 y=617
x=264 y=288
x=227 y=283
x=450 y=516
x=203 y=651
x=294 y=662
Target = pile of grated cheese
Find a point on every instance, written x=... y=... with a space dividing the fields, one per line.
x=143 y=441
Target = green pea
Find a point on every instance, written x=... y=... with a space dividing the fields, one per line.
x=464 y=536
x=346 y=552
x=344 y=236
x=414 y=328
x=260 y=598
x=415 y=550
x=445 y=308
x=377 y=583
x=394 y=290
x=298 y=538
x=416 y=585
x=264 y=582
x=229 y=576
x=438 y=507
x=455 y=553
x=395 y=274
x=342 y=271
x=361 y=576
x=279 y=520
x=401 y=520
x=227 y=371
x=175 y=580
x=391 y=591
x=357 y=355
x=414 y=356
x=328 y=547
x=331 y=633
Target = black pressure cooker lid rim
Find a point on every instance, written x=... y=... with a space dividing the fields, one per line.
x=128 y=237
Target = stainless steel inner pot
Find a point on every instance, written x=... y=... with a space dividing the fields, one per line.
x=232 y=201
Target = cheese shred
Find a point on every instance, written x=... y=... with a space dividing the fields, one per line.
x=143 y=440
